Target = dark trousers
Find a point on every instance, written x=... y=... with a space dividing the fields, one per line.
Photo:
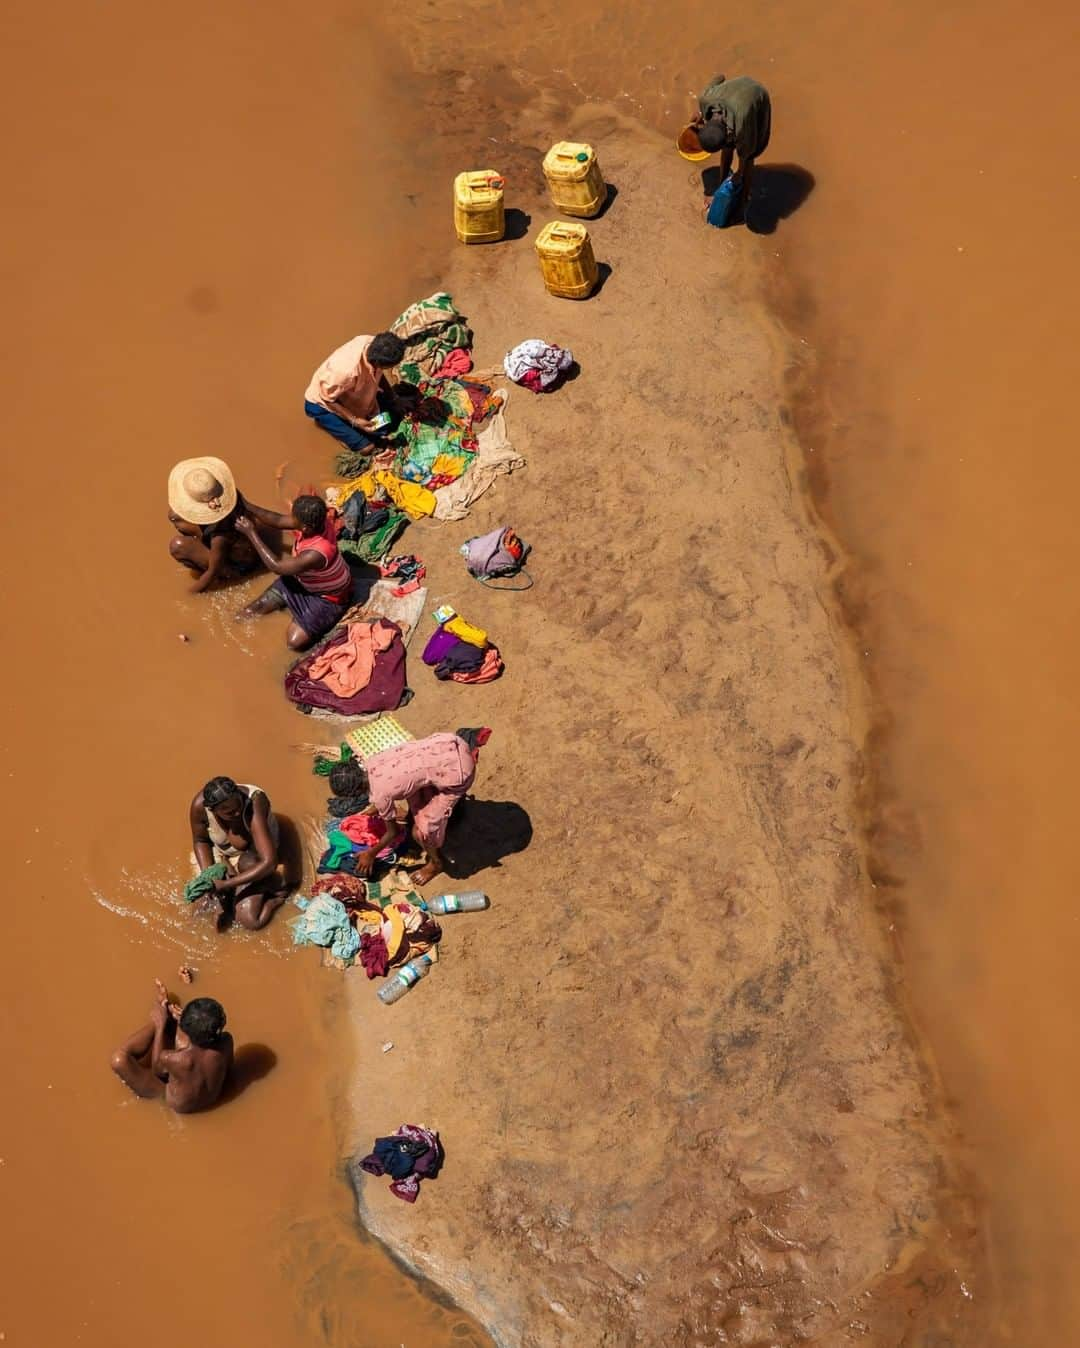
x=338 y=427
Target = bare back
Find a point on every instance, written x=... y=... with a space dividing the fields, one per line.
x=197 y=1076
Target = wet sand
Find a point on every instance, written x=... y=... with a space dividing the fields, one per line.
x=679 y=1101
x=183 y=245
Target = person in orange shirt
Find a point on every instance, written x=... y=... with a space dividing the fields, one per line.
x=351 y=387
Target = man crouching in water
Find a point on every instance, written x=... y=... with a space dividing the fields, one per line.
x=183 y=1055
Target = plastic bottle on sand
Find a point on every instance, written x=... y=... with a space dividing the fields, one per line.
x=468 y=901
x=401 y=980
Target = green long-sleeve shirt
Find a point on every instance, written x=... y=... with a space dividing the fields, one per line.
x=743 y=106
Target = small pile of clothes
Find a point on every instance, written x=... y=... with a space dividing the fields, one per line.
x=364 y=527
x=358 y=668
x=374 y=924
x=461 y=652
x=538 y=365
x=408 y=569
x=411 y=1154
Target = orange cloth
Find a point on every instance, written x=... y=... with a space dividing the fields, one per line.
x=346 y=667
x=488 y=671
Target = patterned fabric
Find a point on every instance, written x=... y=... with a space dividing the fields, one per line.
x=430 y=329
x=547 y=361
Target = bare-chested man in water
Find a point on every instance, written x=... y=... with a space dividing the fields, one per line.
x=183 y=1055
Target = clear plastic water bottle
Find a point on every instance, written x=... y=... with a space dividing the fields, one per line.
x=469 y=901
x=401 y=980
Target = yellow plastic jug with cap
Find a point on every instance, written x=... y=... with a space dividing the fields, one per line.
x=566 y=260
x=478 y=206
x=574 y=179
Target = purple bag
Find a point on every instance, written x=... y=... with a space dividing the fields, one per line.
x=500 y=553
x=440 y=644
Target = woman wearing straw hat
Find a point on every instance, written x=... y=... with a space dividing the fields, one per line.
x=734 y=116
x=203 y=505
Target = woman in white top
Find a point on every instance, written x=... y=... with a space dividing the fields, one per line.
x=234 y=824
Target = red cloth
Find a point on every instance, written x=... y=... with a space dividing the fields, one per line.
x=373 y=954
x=531 y=379
x=457 y=362
x=363 y=829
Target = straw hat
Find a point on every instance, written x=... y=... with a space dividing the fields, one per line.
x=685 y=145
x=202 y=491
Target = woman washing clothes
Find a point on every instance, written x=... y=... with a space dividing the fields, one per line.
x=203 y=508
x=314 y=583
x=233 y=825
x=431 y=776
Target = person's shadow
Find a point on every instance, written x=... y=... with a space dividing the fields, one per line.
x=777 y=191
x=481 y=833
x=251 y=1062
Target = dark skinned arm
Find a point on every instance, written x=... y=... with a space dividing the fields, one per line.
x=164 y=1035
x=264 y=848
x=361 y=423
x=219 y=551
x=200 y=834
x=280 y=566
x=272 y=518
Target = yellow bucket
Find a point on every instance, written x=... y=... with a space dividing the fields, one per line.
x=478 y=206
x=566 y=260
x=574 y=179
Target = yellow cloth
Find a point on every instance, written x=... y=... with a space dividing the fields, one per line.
x=448 y=465
x=408 y=496
x=475 y=636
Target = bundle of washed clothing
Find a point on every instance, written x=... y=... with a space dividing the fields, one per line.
x=537 y=364
x=358 y=668
x=462 y=653
x=411 y=1154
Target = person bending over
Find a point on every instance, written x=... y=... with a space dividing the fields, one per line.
x=203 y=508
x=233 y=824
x=314 y=583
x=431 y=775
x=183 y=1056
x=734 y=117
x=351 y=386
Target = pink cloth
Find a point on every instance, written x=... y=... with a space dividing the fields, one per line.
x=345 y=383
x=363 y=829
x=432 y=774
x=457 y=362
x=346 y=667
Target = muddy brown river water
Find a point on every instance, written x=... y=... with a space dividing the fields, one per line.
x=193 y=215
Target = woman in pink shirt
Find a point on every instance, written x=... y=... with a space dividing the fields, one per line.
x=431 y=775
x=346 y=390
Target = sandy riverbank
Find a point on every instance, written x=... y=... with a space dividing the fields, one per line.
x=679 y=1102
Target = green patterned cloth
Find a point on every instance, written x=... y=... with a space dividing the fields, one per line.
x=373 y=547
x=430 y=329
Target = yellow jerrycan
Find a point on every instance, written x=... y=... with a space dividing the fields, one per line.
x=566 y=260
x=478 y=206
x=574 y=179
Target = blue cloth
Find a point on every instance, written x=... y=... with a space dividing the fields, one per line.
x=337 y=426
x=323 y=921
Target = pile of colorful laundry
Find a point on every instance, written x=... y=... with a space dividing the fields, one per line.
x=374 y=924
x=461 y=652
x=413 y=1153
x=359 y=668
